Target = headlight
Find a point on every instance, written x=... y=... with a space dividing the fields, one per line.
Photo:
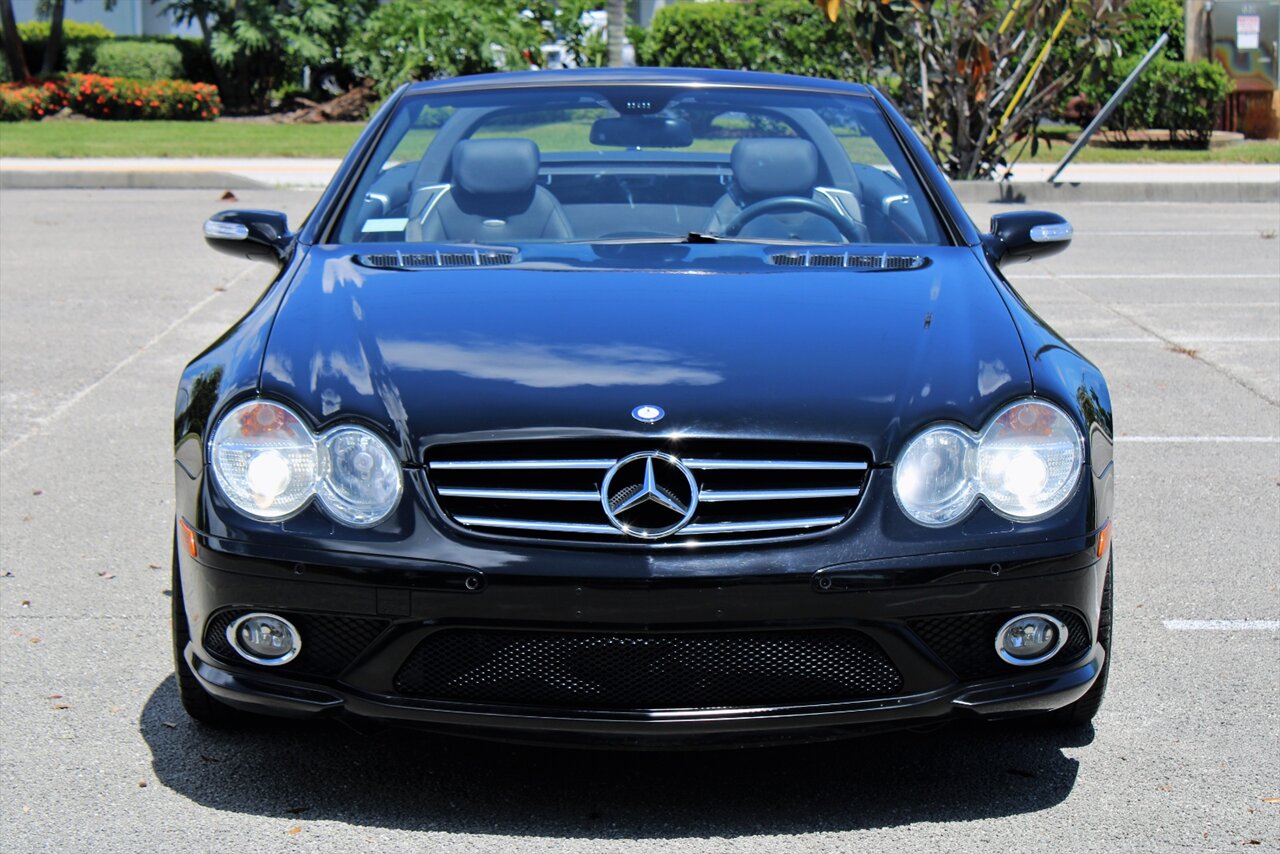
x=265 y=459
x=1025 y=463
x=1029 y=460
x=270 y=465
x=362 y=482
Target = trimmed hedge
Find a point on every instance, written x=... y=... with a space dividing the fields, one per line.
x=783 y=36
x=138 y=60
x=110 y=98
x=38 y=31
x=1181 y=97
x=140 y=57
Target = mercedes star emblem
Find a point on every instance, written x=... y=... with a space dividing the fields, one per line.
x=649 y=495
x=647 y=413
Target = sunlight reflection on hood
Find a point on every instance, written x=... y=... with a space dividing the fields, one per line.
x=549 y=365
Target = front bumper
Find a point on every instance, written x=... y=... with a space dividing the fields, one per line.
x=885 y=605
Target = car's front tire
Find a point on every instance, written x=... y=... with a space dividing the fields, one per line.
x=195 y=699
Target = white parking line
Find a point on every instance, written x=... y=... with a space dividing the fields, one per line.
x=59 y=410
x=1214 y=276
x=1222 y=625
x=1247 y=232
x=1198 y=440
x=1240 y=339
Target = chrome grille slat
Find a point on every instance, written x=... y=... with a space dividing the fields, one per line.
x=519 y=494
x=714 y=495
x=532 y=525
x=522 y=464
x=745 y=527
x=550 y=489
x=775 y=465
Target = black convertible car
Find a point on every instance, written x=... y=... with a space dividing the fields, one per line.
x=645 y=407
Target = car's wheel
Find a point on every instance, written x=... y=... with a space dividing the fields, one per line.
x=195 y=699
x=1083 y=710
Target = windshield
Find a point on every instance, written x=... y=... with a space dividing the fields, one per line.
x=635 y=164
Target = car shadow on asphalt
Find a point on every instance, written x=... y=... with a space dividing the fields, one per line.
x=409 y=780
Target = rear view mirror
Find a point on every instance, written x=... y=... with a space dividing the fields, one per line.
x=255 y=235
x=1026 y=236
x=642 y=132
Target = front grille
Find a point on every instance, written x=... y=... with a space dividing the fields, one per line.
x=590 y=670
x=330 y=643
x=966 y=642
x=883 y=261
x=551 y=489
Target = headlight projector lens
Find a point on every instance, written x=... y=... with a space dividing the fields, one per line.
x=1030 y=639
x=265 y=639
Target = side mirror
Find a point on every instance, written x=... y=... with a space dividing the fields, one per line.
x=255 y=235
x=1025 y=236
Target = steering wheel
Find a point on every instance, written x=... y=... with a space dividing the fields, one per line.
x=793 y=203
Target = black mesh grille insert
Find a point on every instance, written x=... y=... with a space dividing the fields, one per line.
x=329 y=642
x=966 y=642
x=588 y=670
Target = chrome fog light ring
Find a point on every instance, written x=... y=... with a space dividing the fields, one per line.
x=291 y=639
x=1060 y=634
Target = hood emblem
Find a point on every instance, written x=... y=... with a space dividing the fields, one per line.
x=649 y=495
x=648 y=413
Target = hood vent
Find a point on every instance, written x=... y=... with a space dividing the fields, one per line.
x=427 y=260
x=883 y=261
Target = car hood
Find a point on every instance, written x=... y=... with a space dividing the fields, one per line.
x=449 y=355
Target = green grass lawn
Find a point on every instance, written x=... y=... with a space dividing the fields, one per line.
x=1249 y=151
x=263 y=139
x=174 y=139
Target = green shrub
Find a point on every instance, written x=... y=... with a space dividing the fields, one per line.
x=784 y=36
x=1147 y=20
x=1181 y=97
x=412 y=40
x=139 y=60
x=38 y=31
x=76 y=37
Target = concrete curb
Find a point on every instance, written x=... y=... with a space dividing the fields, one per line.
x=969 y=192
x=14 y=179
x=1042 y=192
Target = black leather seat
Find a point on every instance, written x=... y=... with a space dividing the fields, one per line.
x=493 y=198
x=772 y=168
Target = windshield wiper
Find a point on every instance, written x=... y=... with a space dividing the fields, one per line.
x=697 y=237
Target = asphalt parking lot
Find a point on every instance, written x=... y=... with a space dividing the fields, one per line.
x=104 y=295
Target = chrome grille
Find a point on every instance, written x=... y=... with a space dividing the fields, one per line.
x=550 y=489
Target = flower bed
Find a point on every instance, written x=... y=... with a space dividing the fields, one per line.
x=32 y=100
x=110 y=98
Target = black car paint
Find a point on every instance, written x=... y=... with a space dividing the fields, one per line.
x=874 y=571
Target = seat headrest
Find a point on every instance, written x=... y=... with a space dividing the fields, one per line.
x=774 y=167
x=492 y=167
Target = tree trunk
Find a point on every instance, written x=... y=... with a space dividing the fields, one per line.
x=616 y=26
x=13 y=42
x=53 y=47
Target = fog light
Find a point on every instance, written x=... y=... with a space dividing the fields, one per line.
x=1030 y=639
x=264 y=639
